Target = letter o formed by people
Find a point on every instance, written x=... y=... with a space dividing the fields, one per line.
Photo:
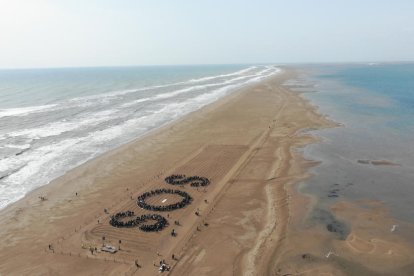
x=142 y=200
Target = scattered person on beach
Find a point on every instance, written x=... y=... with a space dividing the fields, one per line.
x=173 y=257
x=164 y=267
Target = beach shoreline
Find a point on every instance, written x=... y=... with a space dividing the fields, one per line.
x=244 y=143
x=146 y=135
x=242 y=124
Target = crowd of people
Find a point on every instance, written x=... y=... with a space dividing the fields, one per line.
x=117 y=221
x=182 y=179
x=161 y=208
x=160 y=224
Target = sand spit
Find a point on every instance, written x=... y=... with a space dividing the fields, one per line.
x=250 y=217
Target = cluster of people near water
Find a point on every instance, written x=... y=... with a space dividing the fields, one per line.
x=182 y=179
x=187 y=199
x=117 y=221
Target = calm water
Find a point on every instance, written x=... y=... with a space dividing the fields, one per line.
x=375 y=103
x=52 y=120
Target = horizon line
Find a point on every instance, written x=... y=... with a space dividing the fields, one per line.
x=204 y=64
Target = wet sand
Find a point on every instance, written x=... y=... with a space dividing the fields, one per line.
x=251 y=216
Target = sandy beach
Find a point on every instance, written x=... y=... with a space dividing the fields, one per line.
x=250 y=216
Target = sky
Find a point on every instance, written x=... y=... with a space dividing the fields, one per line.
x=77 y=33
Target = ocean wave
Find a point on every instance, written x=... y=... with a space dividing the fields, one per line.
x=27 y=171
x=167 y=113
x=197 y=87
x=90 y=100
x=57 y=128
x=222 y=76
x=23 y=111
x=148 y=88
x=136 y=102
x=12 y=146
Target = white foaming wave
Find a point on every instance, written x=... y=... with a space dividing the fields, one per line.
x=223 y=75
x=87 y=100
x=177 y=92
x=168 y=113
x=34 y=159
x=17 y=184
x=148 y=88
x=23 y=111
x=209 y=97
x=10 y=163
x=55 y=156
x=12 y=146
x=195 y=88
x=109 y=94
x=136 y=102
x=186 y=90
x=57 y=128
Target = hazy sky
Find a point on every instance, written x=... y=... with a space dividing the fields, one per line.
x=58 y=33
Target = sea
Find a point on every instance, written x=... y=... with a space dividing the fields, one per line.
x=52 y=120
x=374 y=105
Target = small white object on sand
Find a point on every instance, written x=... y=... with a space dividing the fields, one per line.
x=164 y=200
x=394 y=227
x=330 y=253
